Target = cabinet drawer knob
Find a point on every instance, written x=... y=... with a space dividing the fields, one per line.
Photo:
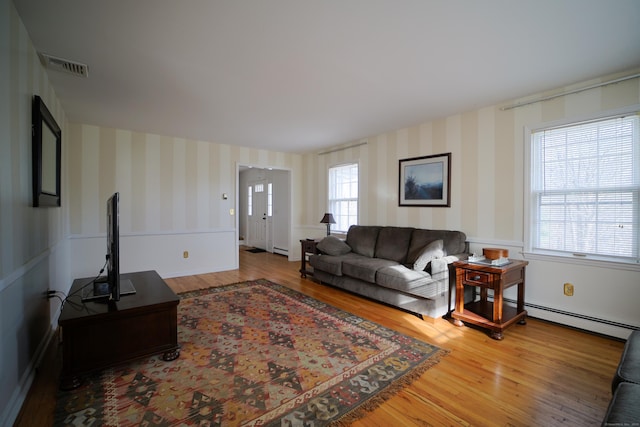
x=476 y=278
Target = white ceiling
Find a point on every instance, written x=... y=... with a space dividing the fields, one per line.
x=302 y=75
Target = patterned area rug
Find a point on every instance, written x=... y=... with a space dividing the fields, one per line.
x=258 y=354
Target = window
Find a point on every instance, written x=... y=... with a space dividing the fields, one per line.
x=343 y=195
x=270 y=199
x=250 y=200
x=585 y=185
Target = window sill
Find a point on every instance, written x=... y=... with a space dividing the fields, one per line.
x=585 y=261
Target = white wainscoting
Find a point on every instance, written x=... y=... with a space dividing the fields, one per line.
x=26 y=331
x=208 y=251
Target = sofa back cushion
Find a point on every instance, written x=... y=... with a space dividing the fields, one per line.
x=331 y=245
x=393 y=243
x=454 y=242
x=362 y=239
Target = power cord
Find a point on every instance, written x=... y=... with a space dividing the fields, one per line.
x=80 y=289
x=54 y=294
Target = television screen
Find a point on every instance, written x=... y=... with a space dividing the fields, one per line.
x=111 y=286
x=113 y=246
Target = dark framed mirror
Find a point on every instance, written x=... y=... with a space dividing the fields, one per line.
x=47 y=150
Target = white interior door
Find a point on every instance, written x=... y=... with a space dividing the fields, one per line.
x=257 y=214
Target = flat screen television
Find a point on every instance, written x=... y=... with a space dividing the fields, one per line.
x=111 y=286
x=113 y=246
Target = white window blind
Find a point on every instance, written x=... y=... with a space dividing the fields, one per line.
x=343 y=195
x=585 y=181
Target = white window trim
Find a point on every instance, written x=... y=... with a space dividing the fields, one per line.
x=345 y=163
x=528 y=253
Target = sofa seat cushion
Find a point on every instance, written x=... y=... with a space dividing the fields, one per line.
x=329 y=263
x=401 y=278
x=364 y=268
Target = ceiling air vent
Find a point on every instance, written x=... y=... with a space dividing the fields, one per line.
x=64 y=65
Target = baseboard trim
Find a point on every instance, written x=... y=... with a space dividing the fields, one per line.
x=576 y=315
x=609 y=328
x=280 y=251
x=173 y=274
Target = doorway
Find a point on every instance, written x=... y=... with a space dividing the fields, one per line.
x=264 y=208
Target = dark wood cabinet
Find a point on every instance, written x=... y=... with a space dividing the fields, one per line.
x=100 y=334
x=492 y=315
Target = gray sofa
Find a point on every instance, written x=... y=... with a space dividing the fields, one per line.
x=406 y=267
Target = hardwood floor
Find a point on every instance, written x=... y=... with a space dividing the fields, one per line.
x=541 y=374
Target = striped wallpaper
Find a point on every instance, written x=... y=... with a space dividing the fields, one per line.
x=487 y=177
x=166 y=184
x=173 y=184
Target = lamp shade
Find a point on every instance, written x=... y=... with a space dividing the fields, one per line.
x=328 y=219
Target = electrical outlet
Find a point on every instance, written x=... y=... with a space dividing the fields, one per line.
x=568 y=289
x=185 y=254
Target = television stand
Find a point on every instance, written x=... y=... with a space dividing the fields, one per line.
x=101 y=333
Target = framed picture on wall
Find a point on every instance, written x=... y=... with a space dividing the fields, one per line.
x=46 y=143
x=425 y=181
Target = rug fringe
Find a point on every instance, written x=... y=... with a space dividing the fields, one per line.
x=393 y=389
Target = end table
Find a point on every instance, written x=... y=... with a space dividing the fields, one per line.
x=490 y=315
x=308 y=246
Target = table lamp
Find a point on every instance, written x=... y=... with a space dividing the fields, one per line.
x=328 y=219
